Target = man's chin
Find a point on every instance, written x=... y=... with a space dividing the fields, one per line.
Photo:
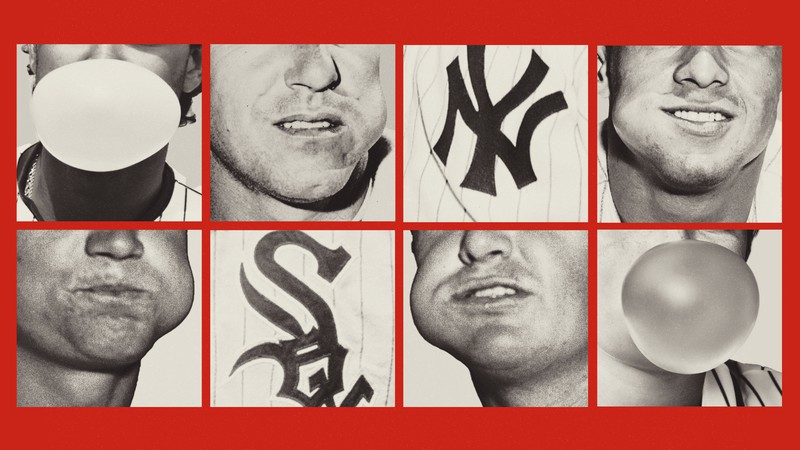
x=115 y=355
x=315 y=191
x=694 y=177
x=496 y=357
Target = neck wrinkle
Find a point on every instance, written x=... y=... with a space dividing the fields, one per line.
x=46 y=383
x=620 y=384
x=562 y=384
x=231 y=200
x=638 y=197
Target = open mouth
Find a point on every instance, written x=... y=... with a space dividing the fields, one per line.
x=309 y=125
x=490 y=294
x=704 y=121
x=700 y=116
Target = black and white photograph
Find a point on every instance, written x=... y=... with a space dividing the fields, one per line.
x=107 y=132
x=302 y=132
x=108 y=318
x=495 y=133
x=689 y=134
x=689 y=318
x=302 y=318
x=496 y=318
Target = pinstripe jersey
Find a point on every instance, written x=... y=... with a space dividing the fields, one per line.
x=184 y=204
x=766 y=205
x=302 y=318
x=449 y=175
x=735 y=383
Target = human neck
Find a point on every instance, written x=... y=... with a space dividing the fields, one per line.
x=45 y=383
x=62 y=192
x=620 y=384
x=640 y=198
x=232 y=200
x=560 y=384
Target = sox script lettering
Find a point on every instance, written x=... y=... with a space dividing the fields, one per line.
x=485 y=122
x=321 y=342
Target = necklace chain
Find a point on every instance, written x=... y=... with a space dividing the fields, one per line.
x=31 y=174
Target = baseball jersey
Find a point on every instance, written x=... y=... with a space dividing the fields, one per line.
x=183 y=204
x=302 y=318
x=766 y=205
x=739 y=384
x=495 y=133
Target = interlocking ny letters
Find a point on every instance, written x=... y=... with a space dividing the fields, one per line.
x=486 y=121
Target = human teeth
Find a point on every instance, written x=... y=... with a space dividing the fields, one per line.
x=303 y=125
x=494 y=292
x=696 y=116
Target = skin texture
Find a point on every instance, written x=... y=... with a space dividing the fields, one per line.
x=62 y=192
x=666 y=168
x=256 y=87
x=95 y=302
x=625 y=376
x=529 y=350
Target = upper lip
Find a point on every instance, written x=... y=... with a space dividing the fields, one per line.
x=330 y=117
x=469 y=287
x=702 y=107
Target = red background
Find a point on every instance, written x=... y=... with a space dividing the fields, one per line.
x=395 y=22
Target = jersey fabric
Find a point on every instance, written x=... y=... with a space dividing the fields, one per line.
x=738 y=384
x=557 y=147
x=766 y=205
x=302 y=318
x=183 y=204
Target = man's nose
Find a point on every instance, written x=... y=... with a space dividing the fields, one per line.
x=116 y=244
x=104 y=51
x=702 y=66
x=313 y=68
x=480 y=246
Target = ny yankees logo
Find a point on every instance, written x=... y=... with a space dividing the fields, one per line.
x=486 y=121
x=303 y=348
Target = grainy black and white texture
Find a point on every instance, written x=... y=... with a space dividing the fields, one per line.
x=302 y=318
x=627 y=377
x=495 y=133
x=689 y=134
x=510 y=306
x=91 y=305
x=302 y=132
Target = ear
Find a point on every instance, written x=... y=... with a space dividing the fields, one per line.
x=30 y=50
x=194 y=69
x=602 y=76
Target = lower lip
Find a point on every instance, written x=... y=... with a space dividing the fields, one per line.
x=701 y=129
x=312 y=132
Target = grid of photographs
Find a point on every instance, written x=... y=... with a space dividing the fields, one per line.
x=347 y=225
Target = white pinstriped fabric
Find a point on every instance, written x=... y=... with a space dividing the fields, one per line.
x=758 y=386
x=558 y=146
x=361 y=298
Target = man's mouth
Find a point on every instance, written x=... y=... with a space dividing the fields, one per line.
x=700 y=116
x=310 y=125
x=303 y=125
x=701 y=120
x=490 y=294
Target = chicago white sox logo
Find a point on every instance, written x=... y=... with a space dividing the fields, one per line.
x=319 y=343
x=485 y=122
